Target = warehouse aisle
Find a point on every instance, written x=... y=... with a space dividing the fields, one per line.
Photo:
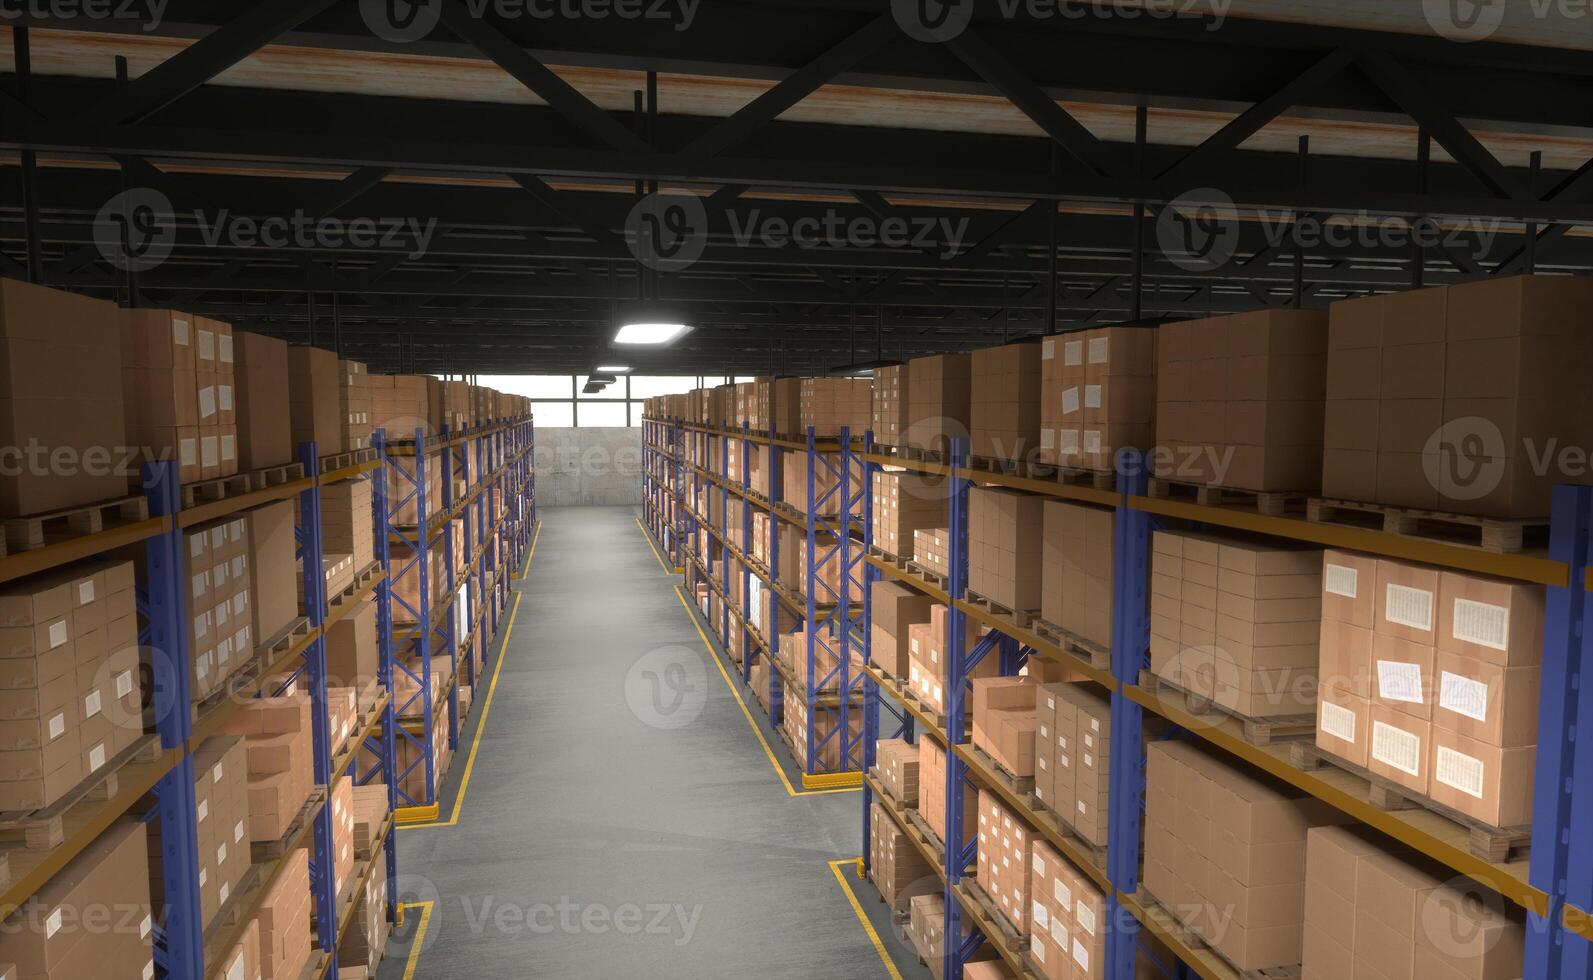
x=622 y=820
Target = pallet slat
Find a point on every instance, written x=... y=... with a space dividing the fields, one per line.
x=1494 y=535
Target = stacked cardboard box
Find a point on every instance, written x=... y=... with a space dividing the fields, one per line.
x=406 y=587
x=273 y=571
x=160 y=390
x=890 y=407
x=1240 y=400
x=1431 y=680
x=759 y=681
x=1237 y=621
x=928 y=666
x=1004 y=720
x=826 y=722
x=932 y=792
x=341 y=800
x=410 y=759
x=1072 y=756
x=895 y=608
x=347 y=521
x=1005 y=854
x=351 y=653
x=400 y=404
x=354 y=404
x=777 y=405
x=277 y=742
x=221 y=792
x=370 y=813
x=1415 y=378
x=221 y=621
x=896 y=865
x=1068 y=920
x=1004 y=402
x=314 y=413
x=1225 y=853
x=243 y=960
x=938 y=401
x=1005 y=542
x=218 y=404
x=828 y=405
x=903 y=503
x=825 y=498
x=1372 y=912
x=337 y=573
x=366 y=939
x=932 y=549
x=1077 y=557
x=110 y=875
x=1101 y=394
x=343 y=715
x=897 y=761
x=69 y=689
x=284 y=918
x=265 y=436
x=926 y=929
x=455 y=405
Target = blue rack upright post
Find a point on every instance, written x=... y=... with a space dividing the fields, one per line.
x=413 y=482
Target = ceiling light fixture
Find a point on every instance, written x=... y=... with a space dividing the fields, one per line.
x=645 y=334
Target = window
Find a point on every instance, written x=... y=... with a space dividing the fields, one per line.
x=603 y=415
x=531 y=385
x=553 y=415
x=652 y=386
x=558 y=402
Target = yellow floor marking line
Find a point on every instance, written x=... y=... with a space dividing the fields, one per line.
x=838 y=869
x=652 y=547
x=752 y=721
x=419 y=942
x=486 y=709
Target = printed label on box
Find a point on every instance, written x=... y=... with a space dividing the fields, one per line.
x=1092 y=440
x=1047 y=350
x=58 y=634
x=1059 y=933
x=1398 y=681
x=1458 y=771
x=179 y=332
x=1397 y=747
x=1410 y=607
x=145 y=926
x=1073 y=353
x=52 y=925
x=1070 y=401
x=1341 y=580
x=1100 y=350
x=1038 y=949
x=57 y=726
x=1338 y=721
x=91 y=704
x=207 y=401
x=1047 y=438
x=124 y=683
x=1481 y=623
x=96 y=757
x=1070 y=441
x=1081 y=956
x=85 y=592
x=202 y=811
x=1041 y=918
x=1092 y=396
x=1463 y=695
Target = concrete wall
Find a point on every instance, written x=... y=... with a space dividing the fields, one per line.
x=589 y=467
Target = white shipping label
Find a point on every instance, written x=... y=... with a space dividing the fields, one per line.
x=207 y=401
x=224 y=397
x=58 y=634
x=1059 y=932
x=1047 y=350
x=235 y=972
x=217 y=773
x=179 y=332
x=91 y=704
x=149 y=970
x=1037 y=950
x=207 y=345
x=229 y=448
x=144 y=927
x=1070 y=401
x=1069 y=441
x=1338 y=721
x=209 y=451
x=225 y=342
x=203 y=811
x=1085 y=917
x=237 y=832
x=52 y=925
x=1399 y=681
x=124 y=683
x=1482 y=623
x=1397 y=747
x=1039 y=865
x=226 y=892
x=1409 y=607
x=221 y=854
x=1100 y=350
x=1073 y=353
x=1042 y=918
x=204 y=876
x=96 y=757
x=85 y=592
x=1081 y=955
x=1092 y=440
x=1341 y=580
x=1458 y=770
x=1463 y=695
x=1047 y=438
x=57 y=726
x=1092 y=396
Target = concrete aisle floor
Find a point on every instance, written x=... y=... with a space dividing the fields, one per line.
x=622 y=819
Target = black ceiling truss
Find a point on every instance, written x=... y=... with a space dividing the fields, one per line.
x=527 y=205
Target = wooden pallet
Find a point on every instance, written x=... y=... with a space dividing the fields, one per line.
x=1095 y=479
x=1257 y=731
x=1270 y=503
x=1194 y=940
x=923 y=455
x=45 y=829
x=1099 y=657
x=936 y=579
x=900 y=564
x=1006 y=933
x=262 y=851
x=927 y=837
x=1044 y=812
x=1495 y=845
x=275 y=476
x=252 y=669
x=1495 y=535
x=32 y=533
x=342 y=461
x=210 y=491
x=1020 y=618
x=1027 y=469
x=1021 y=787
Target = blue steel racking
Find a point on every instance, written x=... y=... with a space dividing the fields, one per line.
x=700 y=456
x=1557 y=889
x=495 y=466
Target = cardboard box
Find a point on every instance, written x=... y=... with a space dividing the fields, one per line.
x=1492 y=784
x=1005 y=544
x=313 y=406
x=60 y=389
x=1407 y=601
x=891 y=409
x=939 y=399
x=1343 y=725
x=1398 y=747
x=1481 y=700
x=1004 y=401
x=1491 y=620
x=274 y=569
x=1402 y=675
x=264 y=425
x=895 y=609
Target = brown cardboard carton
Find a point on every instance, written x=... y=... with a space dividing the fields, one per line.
x=1349 y=584
x=264 y=433
x=1484 y=781
x=313 y=407
x=1398 y=747
x=1005 y=402
x=1402 y=675
x=1492 y=620
x=1481 y=700
x=271 y=546
x=1346 y=658
x=938 y=401
x=1407 y=601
